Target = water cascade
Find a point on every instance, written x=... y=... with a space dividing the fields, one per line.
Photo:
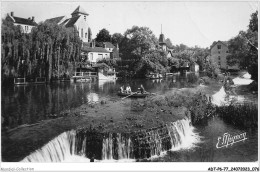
x=57 y=150
x=88 y=143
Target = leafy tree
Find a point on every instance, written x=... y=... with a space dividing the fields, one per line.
x=103 y=36
x=212 y=69
x=199 y=57
x=244 y=48
x=137 y=42
x=117 y=38
x=48 y=51
x=238 y=51
x=153 y=61
x=169 y=43
x=253 y=24
x=181 y=47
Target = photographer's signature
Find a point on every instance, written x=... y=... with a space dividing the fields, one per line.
x=227 y=140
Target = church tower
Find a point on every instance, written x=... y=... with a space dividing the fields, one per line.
x=80 y=21
x=79 y=11
x=162 y=42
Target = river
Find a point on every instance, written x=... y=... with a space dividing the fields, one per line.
x=28 y=104
x=33 y=103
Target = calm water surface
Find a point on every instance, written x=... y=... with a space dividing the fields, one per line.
x=32 y=103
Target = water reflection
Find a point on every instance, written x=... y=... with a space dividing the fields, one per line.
x=92 y=97
x=32 y=103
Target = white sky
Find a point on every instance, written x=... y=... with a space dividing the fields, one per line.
x=190 y=23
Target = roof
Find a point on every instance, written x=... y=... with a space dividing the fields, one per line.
x=161 y=38
x=109 y=45
x=95 y=49
x=72 y=21
x=55 y=19
x=64 y=22
x=24 y=21
x=222 y=42
x=80 y=10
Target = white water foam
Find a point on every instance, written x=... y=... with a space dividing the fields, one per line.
x=242 y=81
x=247 y=76
x=56 y=150
x=221 y=99
x=188 y=138
x=63 y=147
x=183 y=136
x=124 y=149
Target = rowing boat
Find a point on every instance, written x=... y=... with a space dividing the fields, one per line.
x=134 y=95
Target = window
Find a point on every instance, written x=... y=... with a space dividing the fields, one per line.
x=226 y=51
x=82 y=33
x=219 y=52
x=219 y=46
x=100 y=56
x=219 y=63
x=219 y=58
x=91 y=56
x=85 y=18
x=86 y=35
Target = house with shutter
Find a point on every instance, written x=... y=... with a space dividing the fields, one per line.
x=26 y=24
x=78 y=20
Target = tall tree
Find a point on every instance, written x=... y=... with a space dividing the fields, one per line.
x=137 y=42
x=169 y=43
x=117 y=38
x=103 y=36
x=244 y=48
x=47 y=51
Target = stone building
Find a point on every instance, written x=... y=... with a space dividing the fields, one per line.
x=218 y=55
x=26 y=24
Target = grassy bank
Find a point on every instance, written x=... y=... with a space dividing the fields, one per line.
x=196 y=101
x=240 y=115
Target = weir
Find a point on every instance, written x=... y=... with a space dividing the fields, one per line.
x=88 y=143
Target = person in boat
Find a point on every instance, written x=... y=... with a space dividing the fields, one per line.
x=122 y=89
x=128 y=89
x=142 y=89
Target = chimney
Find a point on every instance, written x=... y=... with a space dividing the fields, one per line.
x=29 y=18
x=117 y=47
x=12 y=14
x=104 y=45
x=33 y=18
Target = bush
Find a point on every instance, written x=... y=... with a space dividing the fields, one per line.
x=197 y=103
x=240 y=115
x=212 y=69
x=205 y=80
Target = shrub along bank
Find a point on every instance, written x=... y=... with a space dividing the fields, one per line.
x=240 y=115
